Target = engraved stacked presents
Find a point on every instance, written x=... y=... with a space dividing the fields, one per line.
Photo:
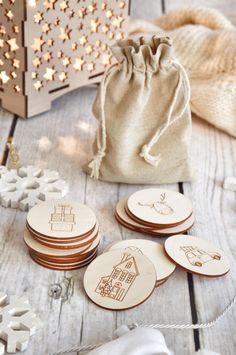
x=63 y=235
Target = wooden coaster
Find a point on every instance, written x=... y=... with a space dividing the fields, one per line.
x=159 y=207
x=118 y=280
x=80 y=243
x=61 y=219
x=153 y=251
x=64 y=264
x=59 y=241
x=123 y=217
x=63 y=268
x=197 y=255
x=36 y=246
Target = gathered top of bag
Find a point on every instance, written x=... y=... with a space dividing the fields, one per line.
x=144 y=54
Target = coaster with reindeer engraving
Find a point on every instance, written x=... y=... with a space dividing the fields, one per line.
x=152 y=250
x=120 y=279
x=197 y=255
x=124 y=217
x=159 y=208
x=61 y=219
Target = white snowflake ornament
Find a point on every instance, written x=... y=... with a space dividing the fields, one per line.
x=27 y=186
x=17 y=323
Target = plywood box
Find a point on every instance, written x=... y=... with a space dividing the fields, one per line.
x=50 y=47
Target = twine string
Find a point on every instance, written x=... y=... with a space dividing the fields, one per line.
x=157 y=326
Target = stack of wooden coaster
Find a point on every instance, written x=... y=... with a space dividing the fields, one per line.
x=155 y=212
x=61 y=234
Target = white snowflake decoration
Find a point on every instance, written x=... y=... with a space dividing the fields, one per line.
x=27 y=186
x=17 y=323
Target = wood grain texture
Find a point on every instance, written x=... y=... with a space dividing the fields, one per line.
x=214 y=158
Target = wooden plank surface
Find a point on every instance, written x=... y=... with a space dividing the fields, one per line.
x=61 y=139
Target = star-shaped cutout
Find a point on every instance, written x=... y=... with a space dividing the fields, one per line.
x=59 y=54
x=103 y=6
x=37 y=62
x=50 y=74
x=89 y=49
x=122 y=4
x=12 y=44
x=47 y=56
x=82 y=12
x=63 y=76
x=34 y=75
x=83 y=40
x=3 y=30
x=38 y=17
x=74 y=46
x=91 y=67
x=16 y=88
x=64 y=5
x=106 y=59
x=50 y=42
x=117 y=23
x=92 y=7
x=38 y=44
x=79 y=64
x=65 y=33
x=46 y=27
x=56 y=22
x=1 y=62
x=109 y=14
x=49 y=4
x=94 y=25
x=66 y=61
x=16 y=63
x=120 y=36
x=9 y=15
x=13 y=75
x=15 y=29
x=38 y=85
x=4 y=78
x=105 y=28
x=2 y=43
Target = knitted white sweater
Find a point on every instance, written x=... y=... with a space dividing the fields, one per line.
x=205 y=43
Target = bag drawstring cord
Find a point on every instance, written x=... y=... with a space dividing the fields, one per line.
x=95 y=164
x=145 y=151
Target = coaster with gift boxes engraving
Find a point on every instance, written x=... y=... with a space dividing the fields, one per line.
x=126 y=218
x=152 y=250
x=197 y=255
x=120 y=279
x=62 y=234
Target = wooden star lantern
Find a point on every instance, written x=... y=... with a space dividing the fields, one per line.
x=50 y=47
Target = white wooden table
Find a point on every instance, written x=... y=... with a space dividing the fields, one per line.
x=68 y=129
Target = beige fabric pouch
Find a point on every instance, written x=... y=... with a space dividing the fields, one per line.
x=142 y=106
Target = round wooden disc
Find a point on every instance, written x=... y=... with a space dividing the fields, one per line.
x=153 y=251
x=60 y=240
x=119 y=280
x=62 y=264
x=197 y=255
x=159 y=207
x=61 y=219
x=80 y=243
x=64 y=268
x=68 y=259
x=124 y=218
x=36 y=246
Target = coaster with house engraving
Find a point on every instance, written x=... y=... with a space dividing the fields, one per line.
x=197 y=255
x=152 y=250
x=159 y=208
x=120 y=279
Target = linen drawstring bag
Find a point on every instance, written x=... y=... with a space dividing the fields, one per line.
x=142 y=106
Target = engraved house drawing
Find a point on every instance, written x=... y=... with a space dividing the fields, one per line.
x=118 y=283
x=62 y=219
x=198 y=257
